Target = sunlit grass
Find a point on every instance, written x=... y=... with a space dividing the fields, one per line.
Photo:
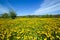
x=30 y=29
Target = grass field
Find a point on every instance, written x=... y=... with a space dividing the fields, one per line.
x=30 y=29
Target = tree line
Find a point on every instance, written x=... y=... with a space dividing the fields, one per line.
x=11 y=14
x=41 y=16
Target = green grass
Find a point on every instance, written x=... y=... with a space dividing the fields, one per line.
x=30 y=29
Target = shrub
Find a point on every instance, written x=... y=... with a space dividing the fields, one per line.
x=12 y=14
x=5 y=15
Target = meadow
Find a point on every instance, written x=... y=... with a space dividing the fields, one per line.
x=30 y=29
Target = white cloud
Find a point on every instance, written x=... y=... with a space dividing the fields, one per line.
x=48 y=6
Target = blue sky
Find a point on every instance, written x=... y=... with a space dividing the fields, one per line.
x=31 y=7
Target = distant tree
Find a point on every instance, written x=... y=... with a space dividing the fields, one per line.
x=46 y=15
x=0 y=15
x=57 y=16
x=5 y=15
x=12 y=14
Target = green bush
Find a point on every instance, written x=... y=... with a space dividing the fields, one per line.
x=12 y=14
x=5 y=15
